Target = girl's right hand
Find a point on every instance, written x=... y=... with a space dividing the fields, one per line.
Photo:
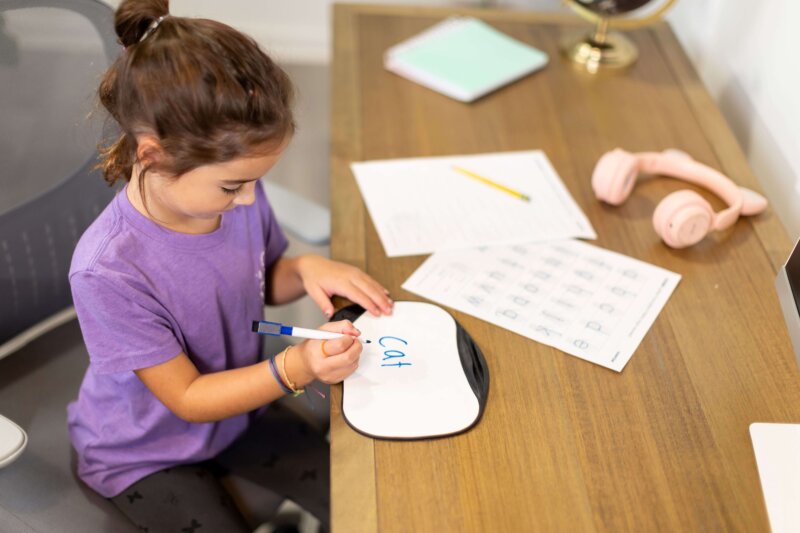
x=339 y=358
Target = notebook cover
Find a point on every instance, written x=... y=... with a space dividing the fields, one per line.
x=464 y=58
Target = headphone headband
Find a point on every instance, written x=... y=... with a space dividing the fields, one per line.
x=683 y=217
x=687 y=169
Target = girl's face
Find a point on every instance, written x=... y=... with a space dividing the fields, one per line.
x=200 y=196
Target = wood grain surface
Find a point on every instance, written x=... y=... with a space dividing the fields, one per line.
x=565 y=445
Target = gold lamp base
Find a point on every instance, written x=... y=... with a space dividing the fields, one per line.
x=615 y=51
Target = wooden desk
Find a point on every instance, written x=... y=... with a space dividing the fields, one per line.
x=566 y=445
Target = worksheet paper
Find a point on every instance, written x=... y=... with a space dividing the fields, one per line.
x=423 y=205
x=589 y=302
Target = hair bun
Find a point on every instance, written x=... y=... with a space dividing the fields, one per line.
x=134 y=17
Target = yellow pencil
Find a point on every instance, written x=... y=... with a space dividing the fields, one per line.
x=494 y=184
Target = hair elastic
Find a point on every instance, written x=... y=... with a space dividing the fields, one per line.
x=274 y=369
x=153 y=27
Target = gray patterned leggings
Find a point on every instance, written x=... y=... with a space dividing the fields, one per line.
x=280 y=451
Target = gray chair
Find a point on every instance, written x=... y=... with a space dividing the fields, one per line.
x=50 y=191
x=52 y=53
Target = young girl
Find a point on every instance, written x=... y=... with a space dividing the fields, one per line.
x=169 y=278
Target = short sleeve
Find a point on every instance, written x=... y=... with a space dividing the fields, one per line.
x=122 y=327
x=275 y=242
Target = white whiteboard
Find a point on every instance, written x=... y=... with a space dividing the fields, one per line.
x=410 y=382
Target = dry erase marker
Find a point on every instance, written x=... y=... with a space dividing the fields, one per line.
x=275 y=329
x=494 y=184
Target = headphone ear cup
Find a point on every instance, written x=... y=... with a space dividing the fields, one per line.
x=614 y=176
x=683 y=218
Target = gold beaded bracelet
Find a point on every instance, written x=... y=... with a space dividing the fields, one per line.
x=295 y=390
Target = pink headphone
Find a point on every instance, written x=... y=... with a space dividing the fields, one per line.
x=684 y=217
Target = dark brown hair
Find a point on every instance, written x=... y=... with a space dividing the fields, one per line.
x=206 y=91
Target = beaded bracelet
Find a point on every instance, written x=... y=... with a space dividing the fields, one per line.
x=277 y=375
x=292 y=386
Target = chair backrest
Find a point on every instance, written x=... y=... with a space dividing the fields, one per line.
x=49 y=72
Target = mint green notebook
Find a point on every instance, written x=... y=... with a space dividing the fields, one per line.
x=464 y=58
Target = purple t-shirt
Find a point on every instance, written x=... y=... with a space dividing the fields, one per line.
x=143 y=295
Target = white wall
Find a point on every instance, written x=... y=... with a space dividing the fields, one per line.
x=300 y=30
x=292 y=30
x=744 y=51
x=746 y=54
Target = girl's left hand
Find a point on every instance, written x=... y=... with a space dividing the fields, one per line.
x=323 y=278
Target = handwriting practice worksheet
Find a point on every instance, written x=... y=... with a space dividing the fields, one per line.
x=586 y=301
x=423 y=205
